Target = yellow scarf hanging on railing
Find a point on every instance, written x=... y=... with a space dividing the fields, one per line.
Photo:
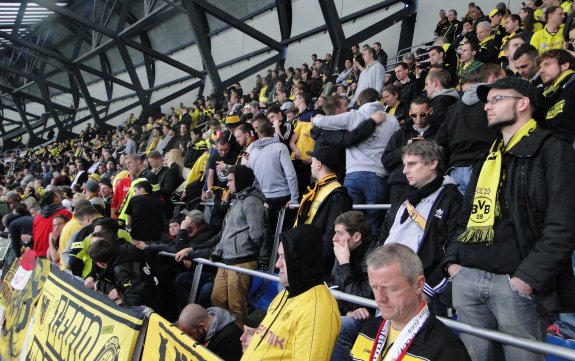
x=485 y=202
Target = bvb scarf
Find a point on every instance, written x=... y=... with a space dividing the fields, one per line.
x=485 y=202
x=308 y=198
x=403 y=340
x=552 y=89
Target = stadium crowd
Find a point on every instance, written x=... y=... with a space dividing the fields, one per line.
x=470 y=139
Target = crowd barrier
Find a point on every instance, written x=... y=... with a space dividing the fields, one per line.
x=527 y=344
x=52 y=316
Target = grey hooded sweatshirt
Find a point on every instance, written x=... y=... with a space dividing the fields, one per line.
x=269 y=159
x=365 y=156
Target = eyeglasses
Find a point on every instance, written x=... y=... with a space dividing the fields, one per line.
x=498 y=98
x=420 y=115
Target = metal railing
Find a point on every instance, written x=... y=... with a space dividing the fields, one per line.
x=500 y=337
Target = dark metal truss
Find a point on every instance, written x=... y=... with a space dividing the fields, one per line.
x=30 y=63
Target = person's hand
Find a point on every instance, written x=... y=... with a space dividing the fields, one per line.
x=359 y=314
x=204 y=196
x=182 y=254
x=187 y=264
x=26 y=238
x=291 y=204
x=139 y=244
x=453 y=269
x=296 y=154
x=307 y=161
x=215 y=257
x=521 y=286
x=186 y=223
x=276 y=123
x=419 y=137
x=378 y=117
x=113 y=295
x=221 y=166
x=89 y=283
x=342 y=252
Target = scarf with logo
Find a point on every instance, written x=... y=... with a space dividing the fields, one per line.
x=485 y=202
x=399 y=347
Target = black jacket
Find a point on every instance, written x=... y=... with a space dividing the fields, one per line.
x=434 y=341
x=441 y=226
x=488 y=52
x=336 y=203
x=352 y=277
x=540 y=203
x=560 y=106
x=125 y=272
x=391 y=158
x=409 y=91
x=225 y=343
x=464 y=133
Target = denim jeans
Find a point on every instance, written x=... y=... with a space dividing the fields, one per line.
x=368 y=188
x=350 y=328
x=461 y=176
x=488 y=300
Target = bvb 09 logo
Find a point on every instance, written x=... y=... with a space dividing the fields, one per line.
x=481 y=209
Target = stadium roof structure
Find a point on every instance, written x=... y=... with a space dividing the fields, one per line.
x=52 y=52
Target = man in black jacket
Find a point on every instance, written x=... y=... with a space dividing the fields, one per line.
x=426 y=216
x=324 y=201
x=406 y=325
x=214 y=328
x=510 y=261
x=351 y=241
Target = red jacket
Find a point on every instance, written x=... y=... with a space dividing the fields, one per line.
x=42 y=227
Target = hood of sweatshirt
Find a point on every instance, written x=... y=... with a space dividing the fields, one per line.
x=303 y=247
x=222 y=318
x=251 y=191
x=470 y=96
x=448 y=92
x=51 y=209
x=264 y=142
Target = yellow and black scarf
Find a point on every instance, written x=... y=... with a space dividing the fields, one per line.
x=485 y=202
x=308 y=198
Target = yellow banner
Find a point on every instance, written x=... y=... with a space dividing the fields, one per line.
x=73 y=323
x=165 y=341
x=19 y=307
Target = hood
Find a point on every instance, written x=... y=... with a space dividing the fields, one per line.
x=470 y=96
x=264 y=142
x=448 y=92
x=244 y=177
x=368 y=109
x=251 y=191
x=222 y=318
x=303 y=247
x=51 y=209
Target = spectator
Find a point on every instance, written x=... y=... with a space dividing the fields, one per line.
x=145 y=214
x=442 y=24
x=405 y=317
x=51 y=206
x=393 y=105
x=123 y=278
x=380 y=54
x=408 y=87
x=551 y=36
x=251 y=323
x=556 y=69
x=58 y=224
x=373 y=74
x=452 y=28
x=307 y=331
x=301 y=141
x=365 y=175
x=325 y=200
x=506 y=240
x=351 y=240
x=488 y=46
x=92 y=191
x=19 y=223
x=241 y=240
x=214 y=328
x=282 y=128
x=468 y=65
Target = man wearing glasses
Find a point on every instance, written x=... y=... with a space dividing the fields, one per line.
x=510 y=261
x=415 y=129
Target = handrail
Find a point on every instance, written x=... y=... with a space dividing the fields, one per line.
x=527 y=344
x=355 y=206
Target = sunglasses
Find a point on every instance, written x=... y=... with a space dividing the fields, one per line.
x=420 y=115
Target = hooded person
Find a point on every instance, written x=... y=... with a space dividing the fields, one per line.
x=241 y=241
x=214 y=328
x=295 y=328
x=51 y=206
